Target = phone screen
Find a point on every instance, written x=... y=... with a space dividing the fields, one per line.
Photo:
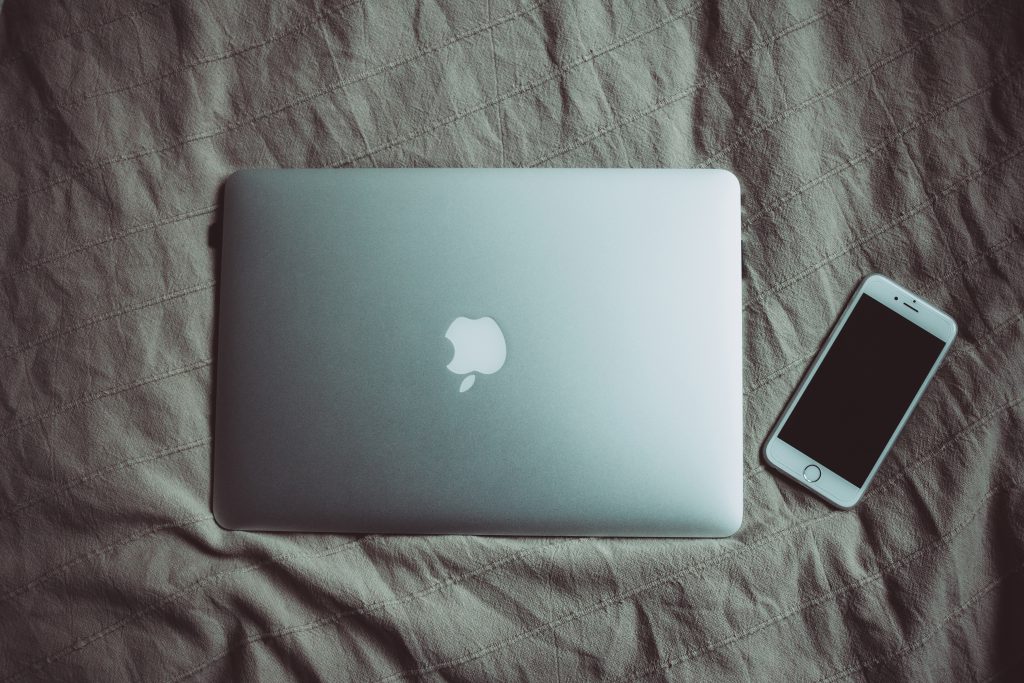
x=861 y=391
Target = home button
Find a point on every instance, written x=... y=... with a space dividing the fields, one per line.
x=812 y=473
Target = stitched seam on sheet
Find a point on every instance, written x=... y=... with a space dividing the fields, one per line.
x=452 y=118
x=766 y=124
x=999 y=246
x=101 y=473
x=849 y=590
x=832 y=596
x=56 y=334
x=325 y=41
x=666 y=578
x=941 y=626
x=730 y=66
x=299 y=29
x=981 y=341
x=928 y=634
x=21 y=52
x=312 y=21
x=180 y=524
x=365 y=608
x=145 y=227
x=1007 y=406
x=912 y=212
x=1007 y=240
x=397 y=141
x=167 y=599
x=1004 y=242
x=786 y=198
x=572 y=616
x=434 y=49
x=498 y=114
x=113 y=391
x=31 y=394
x=643 y=113
x=238 y=123
x=556 y=73
x=323 y=621
x=30 y=266
x=79 y=170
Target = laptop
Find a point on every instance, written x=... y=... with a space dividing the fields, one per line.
x=480 y=351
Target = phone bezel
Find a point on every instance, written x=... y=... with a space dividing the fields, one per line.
x=793 y=462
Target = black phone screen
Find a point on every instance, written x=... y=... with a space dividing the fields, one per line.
x=861 y=390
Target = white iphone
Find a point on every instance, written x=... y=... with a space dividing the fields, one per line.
x=860 y=390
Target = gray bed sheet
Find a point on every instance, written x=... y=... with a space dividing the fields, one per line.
x=868 y=136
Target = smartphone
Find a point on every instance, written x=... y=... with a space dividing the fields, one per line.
x=860 y=391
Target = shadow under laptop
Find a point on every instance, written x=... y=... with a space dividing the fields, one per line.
x=214 y=237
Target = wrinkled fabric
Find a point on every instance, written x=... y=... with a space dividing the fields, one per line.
x=868 y=136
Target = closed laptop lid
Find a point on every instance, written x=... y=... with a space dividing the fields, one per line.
x=491 y=351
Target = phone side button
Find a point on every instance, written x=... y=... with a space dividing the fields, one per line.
x=812 y=473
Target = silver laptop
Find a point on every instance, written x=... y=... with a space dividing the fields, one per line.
x=480 y=351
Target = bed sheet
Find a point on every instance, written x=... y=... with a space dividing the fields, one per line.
x=868 y=136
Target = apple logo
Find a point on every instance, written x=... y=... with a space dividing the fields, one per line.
x=479 y=348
